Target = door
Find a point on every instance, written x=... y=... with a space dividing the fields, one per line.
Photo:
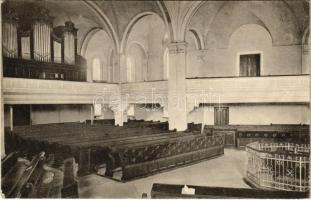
x=221 y=116
x=21 y=115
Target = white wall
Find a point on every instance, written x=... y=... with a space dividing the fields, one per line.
x=266 y=114
x=45 y=114
x=257 y=115
x=251 y=38
x=148 y=115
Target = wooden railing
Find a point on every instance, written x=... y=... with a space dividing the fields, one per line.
x=20 y=68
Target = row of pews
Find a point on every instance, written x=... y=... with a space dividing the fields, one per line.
x=239 y=136
x=123 y=153
x=38 y=176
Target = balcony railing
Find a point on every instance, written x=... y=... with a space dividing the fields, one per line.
x=20 y=68
x=281 y=166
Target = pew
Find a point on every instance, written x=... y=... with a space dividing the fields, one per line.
x=166 y=191
x=146 y=158
x=39 y=177
x=7 y=162
x=17 y=177
x=70 y=185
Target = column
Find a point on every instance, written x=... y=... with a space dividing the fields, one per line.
x=11 y=117
x=92 y=114
x=305 y=69
x=118 y=118
x=116 y=104
x=177 y=86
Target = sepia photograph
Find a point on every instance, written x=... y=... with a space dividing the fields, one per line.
x=155 y=99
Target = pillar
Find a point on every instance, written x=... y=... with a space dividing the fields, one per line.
x=92 y=114
x=305 y=69
x=11 y=117
x=118 y=118
x=177 y=86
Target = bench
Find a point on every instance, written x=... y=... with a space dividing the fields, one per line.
x=168 y=191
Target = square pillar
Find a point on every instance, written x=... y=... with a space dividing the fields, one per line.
x=177 y=86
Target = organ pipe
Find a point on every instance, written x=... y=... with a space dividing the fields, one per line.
x=42 y=40
x=69 y=43
x=9 y=41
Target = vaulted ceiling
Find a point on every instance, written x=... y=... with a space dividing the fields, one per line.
x=116 y=17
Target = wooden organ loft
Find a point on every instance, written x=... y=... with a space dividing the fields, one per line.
x=33 y=48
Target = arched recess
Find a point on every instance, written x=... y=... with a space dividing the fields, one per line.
x=136 y=62
x=255 y=39
x=87 y=38
x=105 y=22
x=221 y=28
x=148 y=31
x=96 y=69
x=196 y=38
x=167 y=20
x=103 y=52
x=189 y=14
x=216 y=18
x=130 y=26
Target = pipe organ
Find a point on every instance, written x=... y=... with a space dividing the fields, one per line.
x=34 y=48
x=29 y=34
x=9 y=35
x=42 y=41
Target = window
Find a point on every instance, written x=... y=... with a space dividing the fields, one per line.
x=130 y=69
x=166 y=65
x=250 y=65
x=96 y=68
x=97 y=109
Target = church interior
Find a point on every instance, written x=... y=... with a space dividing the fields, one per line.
x=155 y=99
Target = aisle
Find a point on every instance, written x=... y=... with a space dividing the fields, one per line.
x=225 y=171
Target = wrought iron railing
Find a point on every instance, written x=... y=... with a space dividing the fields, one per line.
x=281 y=166
x=21 y=68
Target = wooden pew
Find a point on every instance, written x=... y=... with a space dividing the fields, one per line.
x=14 y=181
x=166 y=191
x=7 y=162
x=70 y=185
x=41 y=178
x=146 y=158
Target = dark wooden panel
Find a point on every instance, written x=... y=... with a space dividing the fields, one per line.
x=160 y=191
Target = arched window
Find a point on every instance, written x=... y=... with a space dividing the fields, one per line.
x=96 y=69
x=130 y=70
x=166 y=64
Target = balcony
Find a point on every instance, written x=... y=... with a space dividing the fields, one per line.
x=264 y=89
x=34 y=91
x=21 y=68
